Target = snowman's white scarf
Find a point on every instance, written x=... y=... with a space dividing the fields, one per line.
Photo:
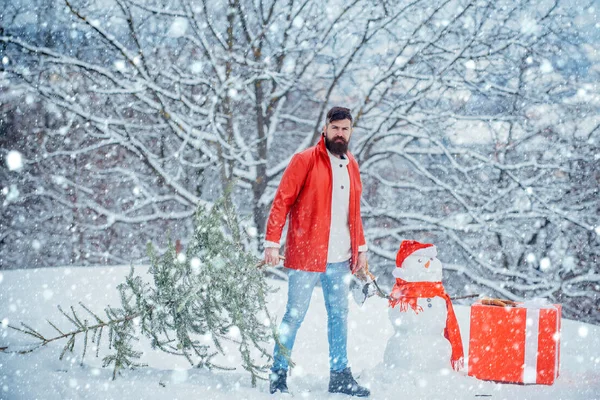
x=405 y=294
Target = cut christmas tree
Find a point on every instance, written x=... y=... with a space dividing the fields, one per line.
x=193 y=303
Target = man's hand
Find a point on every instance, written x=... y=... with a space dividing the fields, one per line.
x=361 y=261
x=272 y=256
x=362 y=270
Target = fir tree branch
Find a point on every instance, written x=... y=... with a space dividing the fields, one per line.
x=82 y=328
x=98 y=341
x=67 y=315
x=68 y=346
x=85 y=342
x=92 y=313
x=55 y=327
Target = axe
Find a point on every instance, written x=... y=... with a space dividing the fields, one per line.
x=363 y=289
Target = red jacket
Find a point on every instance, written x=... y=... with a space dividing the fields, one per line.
x=305 y=193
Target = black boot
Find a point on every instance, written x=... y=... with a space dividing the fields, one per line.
x=278 y=381
x=343 y=382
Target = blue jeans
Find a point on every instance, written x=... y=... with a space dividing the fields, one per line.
x=335 y=291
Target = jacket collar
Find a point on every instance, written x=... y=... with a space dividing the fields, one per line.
x=321 y=145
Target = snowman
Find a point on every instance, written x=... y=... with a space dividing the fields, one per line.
x=426 y=332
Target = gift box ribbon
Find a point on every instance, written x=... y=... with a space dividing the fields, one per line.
x=532 y=331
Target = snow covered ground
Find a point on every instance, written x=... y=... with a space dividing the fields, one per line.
x=31 y=296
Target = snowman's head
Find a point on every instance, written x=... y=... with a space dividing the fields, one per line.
x=417 y=262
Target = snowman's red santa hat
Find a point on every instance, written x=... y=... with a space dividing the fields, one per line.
x=414 y=248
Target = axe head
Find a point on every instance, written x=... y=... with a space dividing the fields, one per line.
x=362 y=290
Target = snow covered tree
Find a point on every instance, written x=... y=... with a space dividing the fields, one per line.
x=162 y=105
x=475 y=139
x=194 y=303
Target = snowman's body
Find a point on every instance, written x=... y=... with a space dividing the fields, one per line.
x=418 y=341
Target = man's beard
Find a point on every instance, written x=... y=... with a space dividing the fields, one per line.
x=337 y=146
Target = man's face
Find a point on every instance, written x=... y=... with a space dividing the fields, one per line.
x=337 y=136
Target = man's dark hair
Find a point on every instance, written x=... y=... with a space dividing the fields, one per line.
x=338 y=114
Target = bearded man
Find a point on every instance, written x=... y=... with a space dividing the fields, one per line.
x=320 y=191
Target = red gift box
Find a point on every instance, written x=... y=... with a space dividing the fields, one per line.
x=518 y=344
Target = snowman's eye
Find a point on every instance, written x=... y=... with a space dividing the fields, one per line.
x=420 y=260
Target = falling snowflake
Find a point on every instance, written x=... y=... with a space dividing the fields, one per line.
x=14 y=160
x=48 y=294
x=252 y=232
x=529 y=26
x=546 y=67
x=120 y=65
x=36 y=245
x=195 y=264
x=298 y=22
x=12 y=194
x=178 y=28
x=545 y=263
x=196 y=67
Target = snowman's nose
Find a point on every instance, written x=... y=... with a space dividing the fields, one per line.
x=427 y=264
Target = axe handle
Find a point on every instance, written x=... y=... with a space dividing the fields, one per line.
x=380 y=292
x=467 y=296
x=383 y=294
